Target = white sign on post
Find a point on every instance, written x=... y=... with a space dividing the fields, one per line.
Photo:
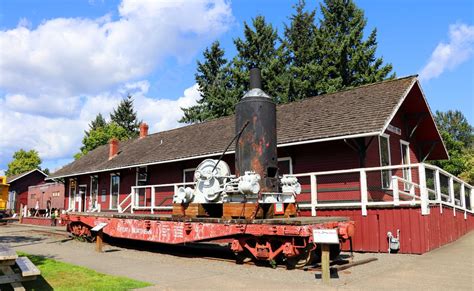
x=325 y=236
x=99 y=226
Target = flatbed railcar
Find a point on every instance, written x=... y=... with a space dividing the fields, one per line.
x=241 y=208
x=260 y=239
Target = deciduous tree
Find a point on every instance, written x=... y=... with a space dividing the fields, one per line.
x=23 y=161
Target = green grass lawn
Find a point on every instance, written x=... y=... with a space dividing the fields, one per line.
x=57 y=275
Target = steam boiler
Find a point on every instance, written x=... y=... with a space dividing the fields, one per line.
x=255 y=190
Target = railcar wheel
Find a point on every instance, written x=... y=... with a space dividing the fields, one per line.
x=243 y=257
x=81 y=232
x=301 y=260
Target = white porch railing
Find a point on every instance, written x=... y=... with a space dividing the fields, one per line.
x=414 y=184
x=419 y=185
x=144 y=197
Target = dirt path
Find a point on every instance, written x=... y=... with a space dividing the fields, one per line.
x=450 y=267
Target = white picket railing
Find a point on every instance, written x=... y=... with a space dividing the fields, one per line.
x=138 y=198
x=415 y=188
x=408 y=185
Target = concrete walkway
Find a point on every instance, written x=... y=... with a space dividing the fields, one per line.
x=450 y=267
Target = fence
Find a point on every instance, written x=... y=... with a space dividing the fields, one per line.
x=150 y=197
x=413 y=185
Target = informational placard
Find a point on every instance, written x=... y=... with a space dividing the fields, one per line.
x=99 y=226
x=325 y=236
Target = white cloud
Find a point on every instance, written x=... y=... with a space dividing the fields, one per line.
x=449 y=55
x=60 y=137
x=74 y=56
x=57 y=76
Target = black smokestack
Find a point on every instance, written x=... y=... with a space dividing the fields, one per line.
x=256 y=149
x=255 y=78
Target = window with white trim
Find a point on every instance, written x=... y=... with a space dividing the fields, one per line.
x=384 y=150
x=114 y=190
x=142 y=176
x=405 y=159
x=188 y=175
x=285 y=166
x=94 y=191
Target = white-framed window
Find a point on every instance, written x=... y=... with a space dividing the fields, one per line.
x=114 y=190
x=142 y=176
x=405 y=160
x=188 y=175
x=385 y=160
x=285 y=166
x=94 y=198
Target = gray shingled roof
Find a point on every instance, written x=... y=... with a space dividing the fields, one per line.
x=13 y=178
x=364 y=109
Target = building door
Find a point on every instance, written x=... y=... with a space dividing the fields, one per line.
x=81 y=198
x=93 y=201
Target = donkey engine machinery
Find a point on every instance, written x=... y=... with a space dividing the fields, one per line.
x=214 y=183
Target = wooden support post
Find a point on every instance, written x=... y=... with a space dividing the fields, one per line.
x=438 y=191
x=451 y=195
x=396 y=194
x=326 y=275
x=471 y=198
x=423 y=190
x=364 y=199
x=314 y=194
x=152 y=199
x=99 y=241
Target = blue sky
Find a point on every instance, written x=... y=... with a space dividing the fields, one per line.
x=62 y=62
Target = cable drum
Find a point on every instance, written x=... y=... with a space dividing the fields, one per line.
x=210 y=177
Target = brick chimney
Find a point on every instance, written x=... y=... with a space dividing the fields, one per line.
x=143 y=130
x=113 y=148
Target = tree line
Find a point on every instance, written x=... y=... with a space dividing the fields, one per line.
x=311 y=57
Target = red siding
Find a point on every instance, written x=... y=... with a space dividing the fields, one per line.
x=418 y=233
x=21 y=185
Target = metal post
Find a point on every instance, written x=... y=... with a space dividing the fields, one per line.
x=451 y=195
x=438 y=191
x=363 y=192
x=396 y=194
x=314 y=194
x=423 y=191
x=152 y=199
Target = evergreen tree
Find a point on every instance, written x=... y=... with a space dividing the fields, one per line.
x=458 y=138
x=302 y=49
x=260 y=48
x=125 y=116
x=213 y=78
x=456 y=124
x=98 y=122
x=101 y=136
x=346 y=59
x=23 y=161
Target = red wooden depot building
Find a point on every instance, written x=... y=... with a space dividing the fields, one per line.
x=359 y=153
